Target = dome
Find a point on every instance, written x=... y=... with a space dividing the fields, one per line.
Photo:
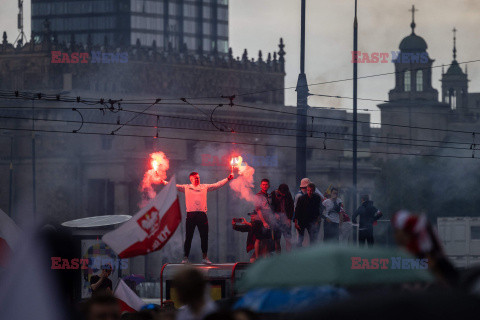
x=454 y=69
x=413 y=43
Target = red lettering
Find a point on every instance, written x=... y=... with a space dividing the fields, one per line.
x=356 y=263
x=375 y=57
x=374 y=264
x=365 y=264
x=56 y=56
x=84 y=56
x=206 y=160
x=65 y=264
x=215 y=161
x=84 y=263
x=55 y=261
x=355 y=56
x=74 y=263
x=74 y=57
x=65 y=58
x=366 y=57
x=384 y=263
x=384 y=56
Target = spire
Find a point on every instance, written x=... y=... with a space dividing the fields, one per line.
x=412 y=25
x=454 y=43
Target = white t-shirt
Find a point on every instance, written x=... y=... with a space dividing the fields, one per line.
x=196 y=197
x=329 y=210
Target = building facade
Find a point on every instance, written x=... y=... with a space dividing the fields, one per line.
x=187 y=25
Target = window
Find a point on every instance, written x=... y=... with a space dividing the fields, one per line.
x=223 y=30
x=475 y=233
x=189 y=10
x=452 y=99
x=207 y=12
x=207 y=45
x=222 y=14
x=191 y=42
x=189 y=27
x=172 y=9
x=419 y=80
x=207 y=28
x=222 y=46
x=407 y=81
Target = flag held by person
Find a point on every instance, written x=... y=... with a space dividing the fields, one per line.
x=128 y=300
x=150 y=228
x=9 y=237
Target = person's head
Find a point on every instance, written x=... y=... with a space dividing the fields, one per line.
x=190 y=285
x=283 y=188
x=303 y=184
x=265 y=185
x=102 y=307
x=107 y=269
x=364 y=198
x=334 y=193
x=194 y=178
x=311 y=189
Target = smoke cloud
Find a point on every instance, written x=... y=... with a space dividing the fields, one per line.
x=243 y=184
x=156 y=175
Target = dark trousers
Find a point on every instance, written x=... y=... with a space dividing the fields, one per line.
x=196 y=219
x=330 y=231
x=312 y=229
x=365 y=234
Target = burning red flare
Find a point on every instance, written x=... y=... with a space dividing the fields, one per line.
x=157 y=174
x=243 y=184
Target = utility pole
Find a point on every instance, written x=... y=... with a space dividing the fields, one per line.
x=302 y=107
x=34 y=171
x=355 y=78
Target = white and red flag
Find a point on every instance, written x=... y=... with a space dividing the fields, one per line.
x=150 y=228
x=9 y=237
x=128 y=300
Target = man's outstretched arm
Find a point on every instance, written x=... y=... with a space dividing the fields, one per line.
x=219 y=184
x=181 y=187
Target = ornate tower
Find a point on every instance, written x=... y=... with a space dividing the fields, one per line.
x=413 y=73
x=455 y=83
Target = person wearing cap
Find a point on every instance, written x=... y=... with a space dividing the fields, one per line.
x=303 y=190
x=101 y=284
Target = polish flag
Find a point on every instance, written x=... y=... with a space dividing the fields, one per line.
x=150 y=228
x=9 y=236
x=129 y=301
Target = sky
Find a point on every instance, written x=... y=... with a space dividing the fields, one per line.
x=259 y=24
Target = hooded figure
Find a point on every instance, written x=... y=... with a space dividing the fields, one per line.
x=368 y=215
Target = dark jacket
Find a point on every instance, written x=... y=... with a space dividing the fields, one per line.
x=368 y=215
x=308 y=209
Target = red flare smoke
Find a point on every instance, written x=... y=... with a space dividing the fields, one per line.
x=243 y=184
x=157 y=174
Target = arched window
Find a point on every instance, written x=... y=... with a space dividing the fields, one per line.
x=452 y=99
x=419 y=80
x=406 y=81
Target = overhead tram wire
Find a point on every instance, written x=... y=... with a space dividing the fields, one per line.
x=243 y=124
x=325 y=137
x=230 y=142
x=359 y=121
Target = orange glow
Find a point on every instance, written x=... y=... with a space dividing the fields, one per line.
x=157 y=174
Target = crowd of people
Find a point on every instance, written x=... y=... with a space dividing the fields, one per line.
x=278 y=212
